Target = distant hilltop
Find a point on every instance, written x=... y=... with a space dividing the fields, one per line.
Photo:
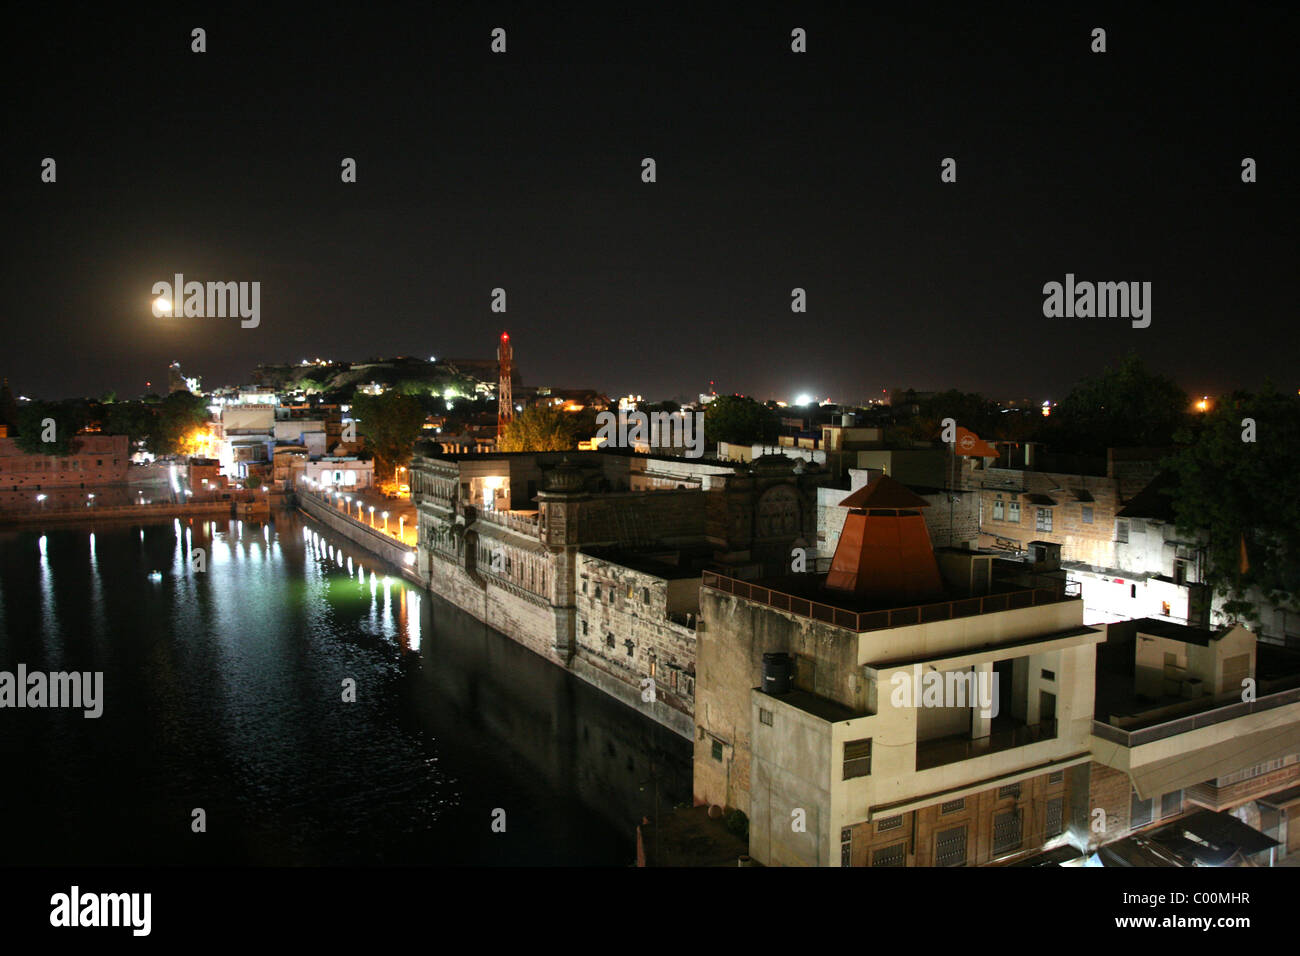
x=404 y=373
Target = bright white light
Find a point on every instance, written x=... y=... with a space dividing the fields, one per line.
x=804 y=399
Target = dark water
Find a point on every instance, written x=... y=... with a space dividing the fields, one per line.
x=223 y=690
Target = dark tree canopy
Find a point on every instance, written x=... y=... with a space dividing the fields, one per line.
x=1245 y=495
x=1125 y=406
x=57 y=421
x=739 y=420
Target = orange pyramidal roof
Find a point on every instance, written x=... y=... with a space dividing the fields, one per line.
x=883 y=492
x=884 y=552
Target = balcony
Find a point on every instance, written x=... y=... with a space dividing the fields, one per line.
x=946 y=750
x=523 y=522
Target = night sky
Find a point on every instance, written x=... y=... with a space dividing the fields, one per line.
x=775 y=170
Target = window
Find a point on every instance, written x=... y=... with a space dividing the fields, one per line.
x=1056 y=777
x=1049 y=675
x=1132 y=590
x=952 y=806
x=889 y=823
x=890 y=856
x=1006 y=831
x=584 y=585
x=717 y=750
x=584 y=628
x=645 y=595
x=950 y=847
x=765 y=717
x=1011 y=790
x=1171 y=803
x=846 y=853
x=999 y=509
x=1055 y=816
x=1139 y=812
x=1044 y=521
x=1121 y=532
x=609 y=641
x=857 y=758
x=597 y=592
x=630 y=647
x=1085 y=512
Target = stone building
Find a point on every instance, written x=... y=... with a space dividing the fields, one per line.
x=94 y=460
x=515 y=538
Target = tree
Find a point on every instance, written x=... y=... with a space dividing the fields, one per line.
x=1125 y=406
x=132 y=419
x=58 y=421
x=1244 y=496
x=739 y=420
x=539 y=428
x=390 y=424
x=180 y=415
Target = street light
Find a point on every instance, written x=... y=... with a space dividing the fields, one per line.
x=385 y=517
x=41 y=500
x=372 y=516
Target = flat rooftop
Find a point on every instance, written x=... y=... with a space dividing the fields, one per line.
x=828 y=710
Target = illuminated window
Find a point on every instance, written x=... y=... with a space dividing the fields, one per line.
x=1044 y=522
x=1013 y=512
x=999 y=509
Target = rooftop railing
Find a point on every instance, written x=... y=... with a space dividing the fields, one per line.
x=525 y=522
x=1182 y=725
x=888 y=618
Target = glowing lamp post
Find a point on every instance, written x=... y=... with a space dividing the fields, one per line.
x=385 y=517
x=372 y=516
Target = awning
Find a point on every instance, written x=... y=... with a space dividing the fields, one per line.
x=1044 y=500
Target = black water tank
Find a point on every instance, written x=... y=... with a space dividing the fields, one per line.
x=778 y=673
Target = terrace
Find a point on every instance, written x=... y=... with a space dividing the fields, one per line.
x=848 y=613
